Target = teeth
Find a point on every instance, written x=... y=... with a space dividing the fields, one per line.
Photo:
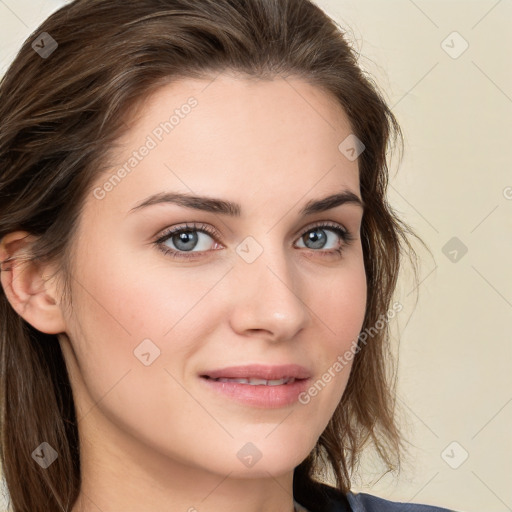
x=256 y=382
x=259 y=382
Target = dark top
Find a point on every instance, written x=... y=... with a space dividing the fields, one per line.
x=325 y=498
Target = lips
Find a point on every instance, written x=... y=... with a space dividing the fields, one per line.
x=258 y=385
x=259 y=374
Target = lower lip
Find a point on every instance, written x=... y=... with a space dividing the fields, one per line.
x=262 y=396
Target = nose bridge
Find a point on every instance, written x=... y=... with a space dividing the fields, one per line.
x=265 y=261
x=268 y=297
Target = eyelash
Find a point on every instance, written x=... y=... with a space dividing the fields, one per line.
x=343 y=233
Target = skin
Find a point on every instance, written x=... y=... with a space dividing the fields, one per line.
x=152 y=437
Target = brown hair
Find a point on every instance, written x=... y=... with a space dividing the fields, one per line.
x=60 y=114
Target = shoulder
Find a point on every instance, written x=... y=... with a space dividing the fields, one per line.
x=336 y=501
x=362 y=502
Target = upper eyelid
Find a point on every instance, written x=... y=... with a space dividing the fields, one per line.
x=213 y=232
x=204 y=228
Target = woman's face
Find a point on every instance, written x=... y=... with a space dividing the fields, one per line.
x=258 y=283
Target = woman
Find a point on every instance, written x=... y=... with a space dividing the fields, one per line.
x=198 y=261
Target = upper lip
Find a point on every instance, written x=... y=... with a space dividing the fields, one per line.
x=259 y=371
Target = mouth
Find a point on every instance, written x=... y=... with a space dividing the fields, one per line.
x=253 y=381
x=259 y=374
x=261 y=386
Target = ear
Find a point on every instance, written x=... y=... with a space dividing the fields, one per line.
x=28 y=285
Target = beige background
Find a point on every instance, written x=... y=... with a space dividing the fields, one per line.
x=455 y=180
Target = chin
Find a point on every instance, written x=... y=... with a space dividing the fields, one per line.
x=274 y=456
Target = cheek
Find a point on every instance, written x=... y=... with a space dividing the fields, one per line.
x=122 y=318
x=133 y=299
x=340 y=309
x=130 y=309
x=340 y=303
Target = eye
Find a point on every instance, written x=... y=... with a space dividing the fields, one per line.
x=185 y=239
x=180 y=242
x=327 y=234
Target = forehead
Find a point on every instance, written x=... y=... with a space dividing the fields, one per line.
x=230 y=136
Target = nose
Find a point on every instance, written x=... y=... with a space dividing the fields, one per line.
x=268 y=302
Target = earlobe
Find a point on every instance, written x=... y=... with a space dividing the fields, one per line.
x=26 y=285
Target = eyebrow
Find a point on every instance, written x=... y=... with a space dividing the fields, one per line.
x=214 y=205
